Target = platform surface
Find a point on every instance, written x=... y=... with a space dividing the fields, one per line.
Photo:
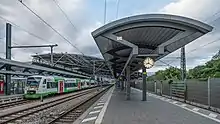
x=152 y=111
x=2 y=96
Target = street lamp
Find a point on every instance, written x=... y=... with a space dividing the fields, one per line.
x=148 y=63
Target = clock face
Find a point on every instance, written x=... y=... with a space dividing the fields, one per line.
x=148 y=63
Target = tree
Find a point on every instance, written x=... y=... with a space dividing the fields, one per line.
x=210 y=69
x=217 y=75
x=167 y=74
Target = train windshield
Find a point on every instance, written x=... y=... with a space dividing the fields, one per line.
x=33 y=81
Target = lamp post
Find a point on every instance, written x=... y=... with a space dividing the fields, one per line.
x=148 y=63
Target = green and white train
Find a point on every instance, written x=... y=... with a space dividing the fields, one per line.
x=51 y=85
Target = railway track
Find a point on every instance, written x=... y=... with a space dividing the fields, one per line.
x=7 y=105
x=14 y=103
x=71 y=115
x=18 y=115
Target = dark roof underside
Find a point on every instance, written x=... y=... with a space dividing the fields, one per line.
x=154 y=35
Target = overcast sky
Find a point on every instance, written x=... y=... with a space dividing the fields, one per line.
x=87 y=15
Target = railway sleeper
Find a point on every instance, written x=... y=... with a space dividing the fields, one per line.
x=3 y=120
x=68 y=117
x=65 y=120
x=61 y=123
x=17 y=115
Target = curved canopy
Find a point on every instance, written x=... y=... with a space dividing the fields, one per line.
x=129 y=40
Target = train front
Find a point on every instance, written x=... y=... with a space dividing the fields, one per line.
x=32 y=87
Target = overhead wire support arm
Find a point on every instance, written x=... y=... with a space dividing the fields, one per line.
x=32 y=46
x=55 y=31
x=51 y=28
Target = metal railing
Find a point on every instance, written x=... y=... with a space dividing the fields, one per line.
x=204 y=94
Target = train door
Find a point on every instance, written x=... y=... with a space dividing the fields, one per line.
x=79 y=85
x=60 y=86
x=1 y=87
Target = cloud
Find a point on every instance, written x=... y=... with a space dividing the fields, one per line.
x=192 y=8
x=203 y=11
x=79 y=35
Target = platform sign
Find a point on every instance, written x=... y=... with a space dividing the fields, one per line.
x=119 y=38
x=1 y=87
x=60 y=86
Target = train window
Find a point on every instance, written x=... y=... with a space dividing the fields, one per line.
x=67 y=84
x=55 y=85
x=48 y=85
x=44 y=81
x=51 y=85
x=70 y=85
x=74 y=84
x=33 y=81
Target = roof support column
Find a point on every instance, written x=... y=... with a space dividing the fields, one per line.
x=132 y=55
x=122 y=83
x=144 y=85
x=51 y=55
x=128 y=87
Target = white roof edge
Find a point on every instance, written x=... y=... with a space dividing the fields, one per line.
x=155 y=17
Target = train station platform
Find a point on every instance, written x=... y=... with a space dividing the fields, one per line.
x=8 y=98
x=156 y=110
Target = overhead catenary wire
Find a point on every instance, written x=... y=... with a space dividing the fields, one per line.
x=50 y=26
x=66 y=16
x=57 y=32
x=105 y=7
x=216 y=40
x=168 y=64
x=208 y=18
x=117 y=8
x=218 y=12
x=19 y=27
x=193 y=50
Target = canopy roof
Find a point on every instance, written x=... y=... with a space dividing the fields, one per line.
x=130 y=40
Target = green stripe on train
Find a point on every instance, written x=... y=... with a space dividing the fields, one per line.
x=38 y=95
x=70 y=89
